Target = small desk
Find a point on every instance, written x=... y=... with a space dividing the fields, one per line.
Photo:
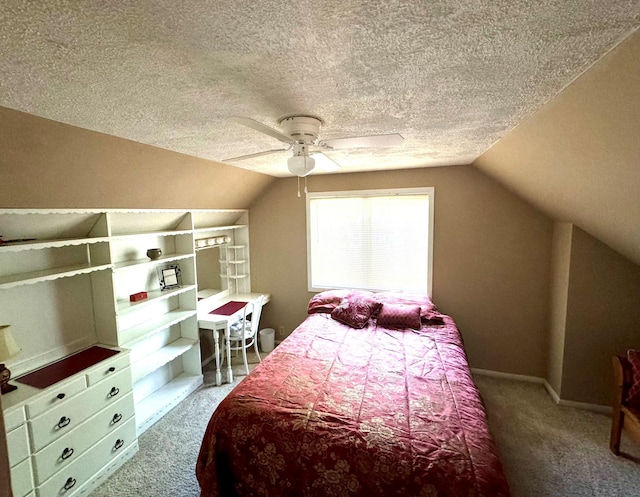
x=222 y=322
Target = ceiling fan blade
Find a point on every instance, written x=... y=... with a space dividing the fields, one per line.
x=362 y=142
x=325 y=162
x=262 y=128
x=257 y=154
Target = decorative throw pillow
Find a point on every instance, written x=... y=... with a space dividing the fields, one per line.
x=399 y=316
x=633 y=395
x=355 y=310
x=428 y=310
x=327 y=301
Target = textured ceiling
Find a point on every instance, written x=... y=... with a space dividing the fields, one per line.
x=452 y=77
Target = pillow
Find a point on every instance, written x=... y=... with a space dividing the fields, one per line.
x=355 y=310
x=428 y=310
x=326 y=301
x=633 y=395
x=399 y=316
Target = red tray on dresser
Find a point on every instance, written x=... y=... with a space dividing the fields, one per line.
x=59 y=370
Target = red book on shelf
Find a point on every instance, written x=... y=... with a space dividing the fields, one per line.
x=135 y=297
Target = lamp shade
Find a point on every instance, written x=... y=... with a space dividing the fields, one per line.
x=301 y=165
x=8 y=345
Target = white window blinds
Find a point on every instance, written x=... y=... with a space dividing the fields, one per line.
x=370 y=240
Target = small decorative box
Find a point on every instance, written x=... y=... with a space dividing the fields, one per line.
x=135 y=297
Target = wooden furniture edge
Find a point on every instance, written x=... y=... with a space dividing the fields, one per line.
x=623 y=415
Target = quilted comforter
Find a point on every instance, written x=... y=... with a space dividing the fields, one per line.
x=342 y=411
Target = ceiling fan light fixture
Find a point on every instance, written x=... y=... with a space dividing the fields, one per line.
x=301 y=165
x=301 y=133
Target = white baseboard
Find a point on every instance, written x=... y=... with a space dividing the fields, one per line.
x=551 y=391
x=508 y=376
x=542 y=381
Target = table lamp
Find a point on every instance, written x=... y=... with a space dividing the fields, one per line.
x=8 y=348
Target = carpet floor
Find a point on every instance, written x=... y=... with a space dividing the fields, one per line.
x=547 y=450
x=555 y=451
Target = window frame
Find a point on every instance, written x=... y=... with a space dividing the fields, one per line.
x=429 y=191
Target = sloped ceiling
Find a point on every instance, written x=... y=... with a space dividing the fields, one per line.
x=452 y=77
x=578 y=158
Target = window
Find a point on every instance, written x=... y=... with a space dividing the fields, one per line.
x=373 y=240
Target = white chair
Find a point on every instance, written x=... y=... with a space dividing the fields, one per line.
x=244 y=332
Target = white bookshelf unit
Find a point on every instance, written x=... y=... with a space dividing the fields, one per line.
x=66 y=277
x=234 y=267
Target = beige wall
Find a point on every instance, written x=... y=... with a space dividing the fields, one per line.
x=602 y=318
x=44 y=163
x=578 y=160
x=578 y=157
x=491 y=260
x=594 y=313
x=560 y=269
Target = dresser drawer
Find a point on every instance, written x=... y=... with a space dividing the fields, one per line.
x=76 y=474
x=13 y=418
x=60 y=420
x=108 y=368
x=71 y=446
x=18 y=444
x=56 y=395
x=21 y=479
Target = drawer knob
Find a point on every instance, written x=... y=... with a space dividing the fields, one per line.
x=119 y=443
x=66 y=453
x=64 y=421
x=111 y=369
x=69 y=483
x=60 y=396
x=114 y=391
x=116 y=418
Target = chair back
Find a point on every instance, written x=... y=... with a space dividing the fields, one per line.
x=255 y=316
x=247 y=325
x=244 y=333
x=244 y=323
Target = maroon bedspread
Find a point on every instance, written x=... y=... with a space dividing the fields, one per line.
x=339 y=411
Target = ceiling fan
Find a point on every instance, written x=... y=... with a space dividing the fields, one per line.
x=301 y=135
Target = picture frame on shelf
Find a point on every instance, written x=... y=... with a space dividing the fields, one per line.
x=169 y=276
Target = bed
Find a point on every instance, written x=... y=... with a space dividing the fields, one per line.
x=370 y=396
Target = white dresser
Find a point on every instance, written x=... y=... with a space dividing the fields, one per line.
x=65 y=439
x=73 y=278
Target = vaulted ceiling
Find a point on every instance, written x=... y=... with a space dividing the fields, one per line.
x=452 y=77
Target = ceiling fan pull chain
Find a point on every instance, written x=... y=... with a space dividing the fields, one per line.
x=305 y=185
x=298 y=185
